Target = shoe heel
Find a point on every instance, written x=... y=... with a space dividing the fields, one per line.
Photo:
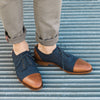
x=43 y=63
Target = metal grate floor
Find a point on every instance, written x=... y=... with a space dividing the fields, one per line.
x=79 y=34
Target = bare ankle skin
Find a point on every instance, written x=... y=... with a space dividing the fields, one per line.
x=46 y=49
x=20 y=47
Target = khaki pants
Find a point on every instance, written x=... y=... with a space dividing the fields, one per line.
x=47 y=20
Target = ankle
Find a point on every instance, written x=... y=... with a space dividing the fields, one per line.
x=46 y=49
x=20 y=47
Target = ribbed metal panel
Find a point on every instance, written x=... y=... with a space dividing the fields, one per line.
x=79 y=34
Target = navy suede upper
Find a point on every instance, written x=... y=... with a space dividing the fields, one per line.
x=24 y=64
x=59 y=57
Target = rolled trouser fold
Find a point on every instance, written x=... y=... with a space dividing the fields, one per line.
x=11 y=14
x=47 y=20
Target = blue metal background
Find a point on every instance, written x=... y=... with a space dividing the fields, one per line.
x=79 y=34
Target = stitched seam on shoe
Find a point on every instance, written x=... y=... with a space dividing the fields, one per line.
x=61 y=52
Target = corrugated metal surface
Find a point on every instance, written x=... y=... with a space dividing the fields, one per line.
x=79 y=35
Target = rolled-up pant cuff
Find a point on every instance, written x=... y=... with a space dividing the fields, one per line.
x=17 y=39
x=47 y=42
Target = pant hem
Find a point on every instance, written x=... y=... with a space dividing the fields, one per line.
x=18 y=39
x=47 y=42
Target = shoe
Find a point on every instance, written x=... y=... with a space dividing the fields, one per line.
x=26 y=70
x=66 y=61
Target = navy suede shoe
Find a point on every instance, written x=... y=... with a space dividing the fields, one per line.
x=26 y=70
x=66 y=61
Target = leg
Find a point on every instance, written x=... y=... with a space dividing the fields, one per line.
x=47 y=19
x=11 y=12
x=12 y=17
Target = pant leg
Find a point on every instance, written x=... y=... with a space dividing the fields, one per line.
x=11 y=13
x=47 y=20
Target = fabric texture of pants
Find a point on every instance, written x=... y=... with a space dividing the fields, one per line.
x=47 y=20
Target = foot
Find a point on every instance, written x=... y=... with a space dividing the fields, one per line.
x=65 y=61
x=26 y=69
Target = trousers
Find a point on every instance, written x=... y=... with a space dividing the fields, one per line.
x=46 y=15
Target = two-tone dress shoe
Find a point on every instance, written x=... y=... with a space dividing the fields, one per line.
x=26 y=70
x=66 y=61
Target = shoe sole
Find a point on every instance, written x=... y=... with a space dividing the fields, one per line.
x=49 y=63
x=34 y=89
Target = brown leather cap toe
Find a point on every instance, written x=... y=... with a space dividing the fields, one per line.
x=82 y=66
x=33 y=81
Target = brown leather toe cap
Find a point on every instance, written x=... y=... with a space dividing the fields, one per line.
x=82 y=66
x=34 y=80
